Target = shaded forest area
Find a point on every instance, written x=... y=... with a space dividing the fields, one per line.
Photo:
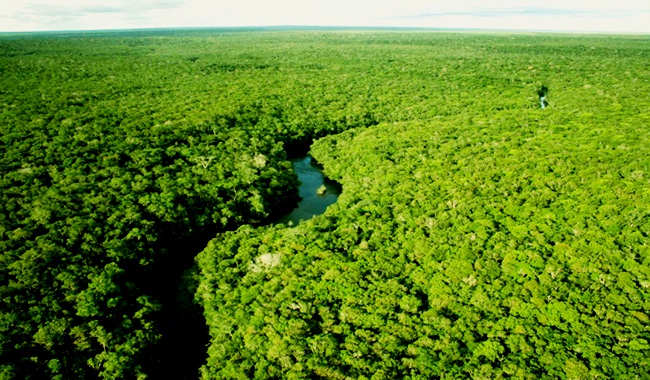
x=477 y=235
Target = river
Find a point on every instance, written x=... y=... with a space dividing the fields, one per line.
x=316 y=191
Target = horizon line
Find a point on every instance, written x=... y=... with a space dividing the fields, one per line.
x=317 y=27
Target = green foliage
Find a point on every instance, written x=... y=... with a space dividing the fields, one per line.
x=477 y=235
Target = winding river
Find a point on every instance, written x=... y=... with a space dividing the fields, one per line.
x=316 y=191
x=185 y=336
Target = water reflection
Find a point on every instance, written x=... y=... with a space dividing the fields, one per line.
x=316 y=192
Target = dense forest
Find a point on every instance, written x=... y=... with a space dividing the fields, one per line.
x=494 y=219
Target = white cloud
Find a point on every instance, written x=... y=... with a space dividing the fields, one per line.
x=575 y=15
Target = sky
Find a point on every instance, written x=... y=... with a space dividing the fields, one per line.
x=628 y=16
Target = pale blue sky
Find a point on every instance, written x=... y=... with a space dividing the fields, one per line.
x=560 y=15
